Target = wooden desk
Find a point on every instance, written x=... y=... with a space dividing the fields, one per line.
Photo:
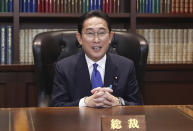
x=158 y=118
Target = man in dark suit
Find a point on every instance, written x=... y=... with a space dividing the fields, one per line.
x=73 y=82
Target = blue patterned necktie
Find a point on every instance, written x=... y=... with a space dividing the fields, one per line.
x=96 y=77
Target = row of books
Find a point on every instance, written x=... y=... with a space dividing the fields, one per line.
x=169 y=45
x=25 y=47
x=6 y=44
x=6 y=5
x=28 y=5
x=165 y=45
x=165 y=6
x=74 y=6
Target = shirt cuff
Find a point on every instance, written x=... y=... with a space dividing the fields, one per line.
x=82 y=103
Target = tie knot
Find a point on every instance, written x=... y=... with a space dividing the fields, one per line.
x=95 y=65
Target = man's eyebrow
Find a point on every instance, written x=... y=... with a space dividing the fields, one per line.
x=87 y=29
x=101 y=28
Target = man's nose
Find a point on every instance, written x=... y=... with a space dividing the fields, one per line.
x=96 y=37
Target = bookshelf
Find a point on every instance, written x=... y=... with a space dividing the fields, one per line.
x=131 y=20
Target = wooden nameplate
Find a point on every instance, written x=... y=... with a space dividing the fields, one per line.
x=124 y=123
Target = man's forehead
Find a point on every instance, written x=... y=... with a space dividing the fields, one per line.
x=95 y=21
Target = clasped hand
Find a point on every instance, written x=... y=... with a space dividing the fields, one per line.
x=102 y=97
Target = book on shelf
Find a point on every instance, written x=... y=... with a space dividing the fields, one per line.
x=162 y=45
x=2 y=48
x=10 y=6
x=9 y=47
x=28 y=5
x=148 y=6
x=84 y=2
x=2 y=6
x=6 y=44
x=91 y=4
x=6 y=5
x=47 y=4
x=141 y=6
x=33 y=5
x=169 y=45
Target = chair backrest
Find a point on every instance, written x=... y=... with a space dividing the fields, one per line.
x=49 y=47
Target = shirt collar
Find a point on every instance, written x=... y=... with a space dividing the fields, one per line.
x=100 y=63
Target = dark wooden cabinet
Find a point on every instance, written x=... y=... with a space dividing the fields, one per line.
x=163 y=83
x=17 y=86
x=168 y=84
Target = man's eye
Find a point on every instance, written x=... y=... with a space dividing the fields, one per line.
x=90 y=33
x=102 y=33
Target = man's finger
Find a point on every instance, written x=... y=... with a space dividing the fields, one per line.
x=108 y=96
x=98 y=94
x=99 y=100
x=108 y=103
x=107 y=89
x=95 y=90
x=104 y=89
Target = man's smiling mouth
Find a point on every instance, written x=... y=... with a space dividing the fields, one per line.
x=96 y=48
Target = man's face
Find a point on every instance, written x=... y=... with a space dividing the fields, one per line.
x=95 y=38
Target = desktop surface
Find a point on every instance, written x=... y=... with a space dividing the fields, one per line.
x=158 y=118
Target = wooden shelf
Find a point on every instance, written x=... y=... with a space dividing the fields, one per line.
x=6 y=18
x=61 y=20
x=149 y=67
x=170 y=16
x=164 y=21
x=16 y=68
x=6 y=15
x=67 y=15
x=169 y=67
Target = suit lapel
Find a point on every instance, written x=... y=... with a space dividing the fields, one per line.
x=111 y=73
x=82 y=78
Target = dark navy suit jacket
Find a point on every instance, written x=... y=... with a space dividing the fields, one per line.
x=72 y=80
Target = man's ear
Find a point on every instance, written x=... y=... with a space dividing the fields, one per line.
x=79 y=38
x=111 y=36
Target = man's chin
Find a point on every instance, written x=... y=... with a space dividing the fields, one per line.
x=97 y=57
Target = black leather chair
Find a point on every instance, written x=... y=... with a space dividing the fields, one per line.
x=49 y=47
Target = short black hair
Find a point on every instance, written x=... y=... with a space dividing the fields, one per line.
x=93 y=13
